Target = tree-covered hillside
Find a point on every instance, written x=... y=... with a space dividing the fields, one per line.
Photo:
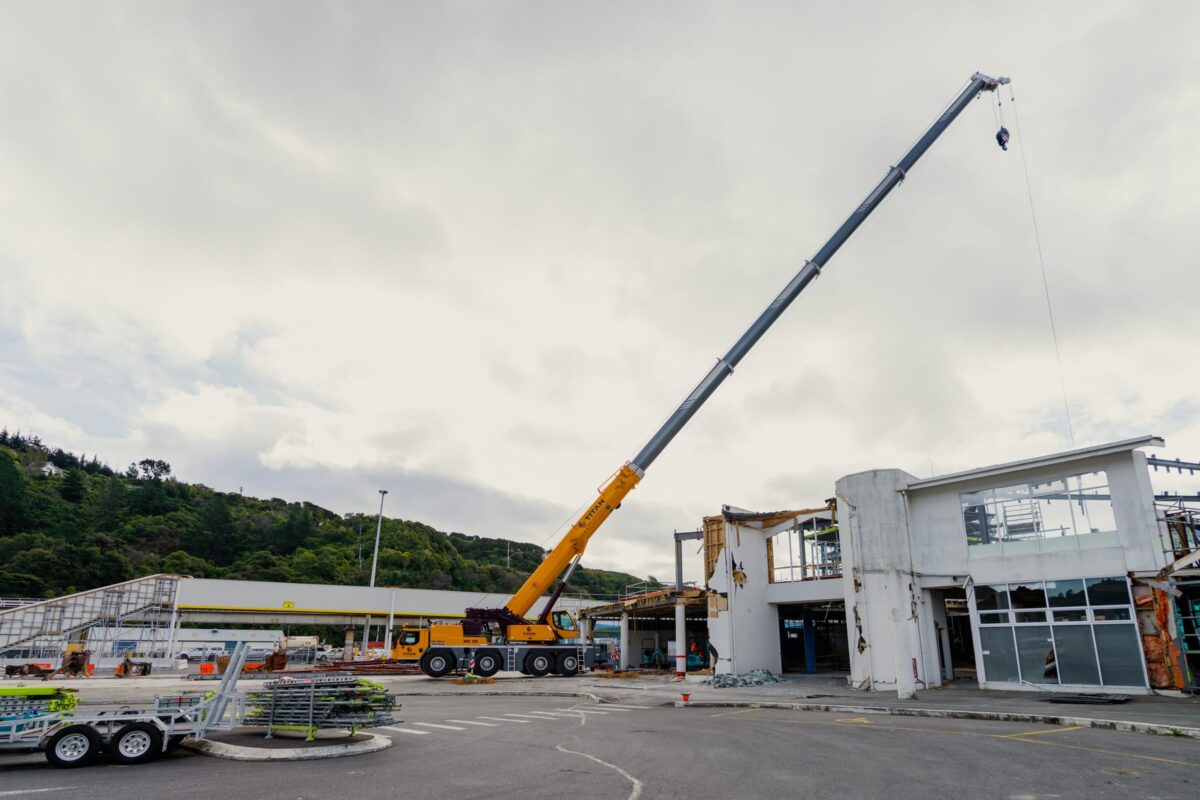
x=69 y=523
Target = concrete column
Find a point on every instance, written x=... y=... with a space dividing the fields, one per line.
x=906 y=682
x=348 y=647
x=680 y=641
x=387 y=642
x=624 y=641
x=810 y=643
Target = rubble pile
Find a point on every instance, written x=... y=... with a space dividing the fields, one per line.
x=755 y=677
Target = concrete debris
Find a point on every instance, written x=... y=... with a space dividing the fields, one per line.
x=755 y=677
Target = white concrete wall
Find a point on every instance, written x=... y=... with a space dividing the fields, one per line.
x=900 y=544
x=882 y=596
x=747 y=634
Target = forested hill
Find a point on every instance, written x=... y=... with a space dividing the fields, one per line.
x=69 y=523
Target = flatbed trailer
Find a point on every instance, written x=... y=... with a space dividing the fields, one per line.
x=129 y=734
x=565 y=658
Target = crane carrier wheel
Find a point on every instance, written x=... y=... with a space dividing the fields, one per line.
x=436 y=663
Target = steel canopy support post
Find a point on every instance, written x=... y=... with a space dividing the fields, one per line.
x=811 y=269
x=680 y=639
x=624 y=641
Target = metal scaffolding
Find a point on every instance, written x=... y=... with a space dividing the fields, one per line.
x=49 y=625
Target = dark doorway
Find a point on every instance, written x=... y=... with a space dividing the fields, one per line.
x=958 y=626
x=812 y=637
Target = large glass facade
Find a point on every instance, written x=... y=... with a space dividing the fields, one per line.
x=1078 y=632
x=1050 y=515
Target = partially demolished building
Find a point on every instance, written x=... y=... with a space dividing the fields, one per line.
x=1061 y=571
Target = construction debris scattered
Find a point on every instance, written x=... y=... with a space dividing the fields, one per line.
x=755 y=677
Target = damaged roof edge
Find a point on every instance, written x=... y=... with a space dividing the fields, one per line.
x=1041 y=461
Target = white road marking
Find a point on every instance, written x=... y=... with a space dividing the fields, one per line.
x=637 y=785
x=15 y=792
x=626 y=707
x=403 y=730
x=502 y=719
x=582 y=711
x=435 y=725
x=554 y=714
x=468 y=722
x=526 y=716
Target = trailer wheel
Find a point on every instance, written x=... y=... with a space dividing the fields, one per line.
x=487 y=663
x=73 y=746
x=568 y=665
x=437 y=663
x=538 y=664
x=136 y=743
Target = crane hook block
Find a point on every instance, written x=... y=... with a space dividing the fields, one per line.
x=1002 y=138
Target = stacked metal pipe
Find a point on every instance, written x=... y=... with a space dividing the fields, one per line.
x=312 y=704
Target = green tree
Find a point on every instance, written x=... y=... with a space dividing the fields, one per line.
x=217 y=534
x=73 y=488
x=13 y=496
x=113 y=504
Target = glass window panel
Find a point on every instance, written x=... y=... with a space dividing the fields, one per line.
x=1108 y=591
x=1076 y=656
x=1065 y=593
x=978 y=518
x=1031 y=616
x=1110 y=614
x=1056 y=516
x=1120 y=655
x=1027 y=595
x=1073 y=615
x=1035 y=653
x=999 y=656
x=991 y=598
x=1091 y=504
x=993 y=617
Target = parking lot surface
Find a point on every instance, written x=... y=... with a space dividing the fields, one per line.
x=554 y=747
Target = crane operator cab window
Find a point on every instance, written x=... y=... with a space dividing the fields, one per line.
x=410 y=638
x=564 y=621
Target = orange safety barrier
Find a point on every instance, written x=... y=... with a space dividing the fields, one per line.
x=208 y=669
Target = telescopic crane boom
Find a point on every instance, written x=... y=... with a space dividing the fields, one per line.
x=569 y=550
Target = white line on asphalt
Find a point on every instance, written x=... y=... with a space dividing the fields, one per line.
x=468 y=722
x=637 y=785
x=608 y=707
x=583 y=711
x=15 y=792
x=435 y=725
x=626 y=707
x=526 y=716
x=404 y=730
x=502 y=719
x=554 y=714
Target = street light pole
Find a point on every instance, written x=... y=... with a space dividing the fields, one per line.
x=374 y=566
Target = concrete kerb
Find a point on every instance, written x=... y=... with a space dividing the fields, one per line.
x=237 y=752
x=1128 y=726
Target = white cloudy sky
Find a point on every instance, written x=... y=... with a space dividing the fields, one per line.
x=475 y=253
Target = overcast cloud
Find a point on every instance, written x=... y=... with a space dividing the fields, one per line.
x=474 y=253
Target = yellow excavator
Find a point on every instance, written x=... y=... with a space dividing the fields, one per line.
x=492 y=639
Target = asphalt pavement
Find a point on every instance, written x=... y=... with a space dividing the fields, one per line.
x=532 y=747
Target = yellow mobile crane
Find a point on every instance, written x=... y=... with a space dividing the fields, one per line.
x=492 y=639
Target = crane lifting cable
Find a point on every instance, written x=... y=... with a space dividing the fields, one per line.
x=1037 y=237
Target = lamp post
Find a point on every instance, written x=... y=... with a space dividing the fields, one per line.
x=374 y=565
